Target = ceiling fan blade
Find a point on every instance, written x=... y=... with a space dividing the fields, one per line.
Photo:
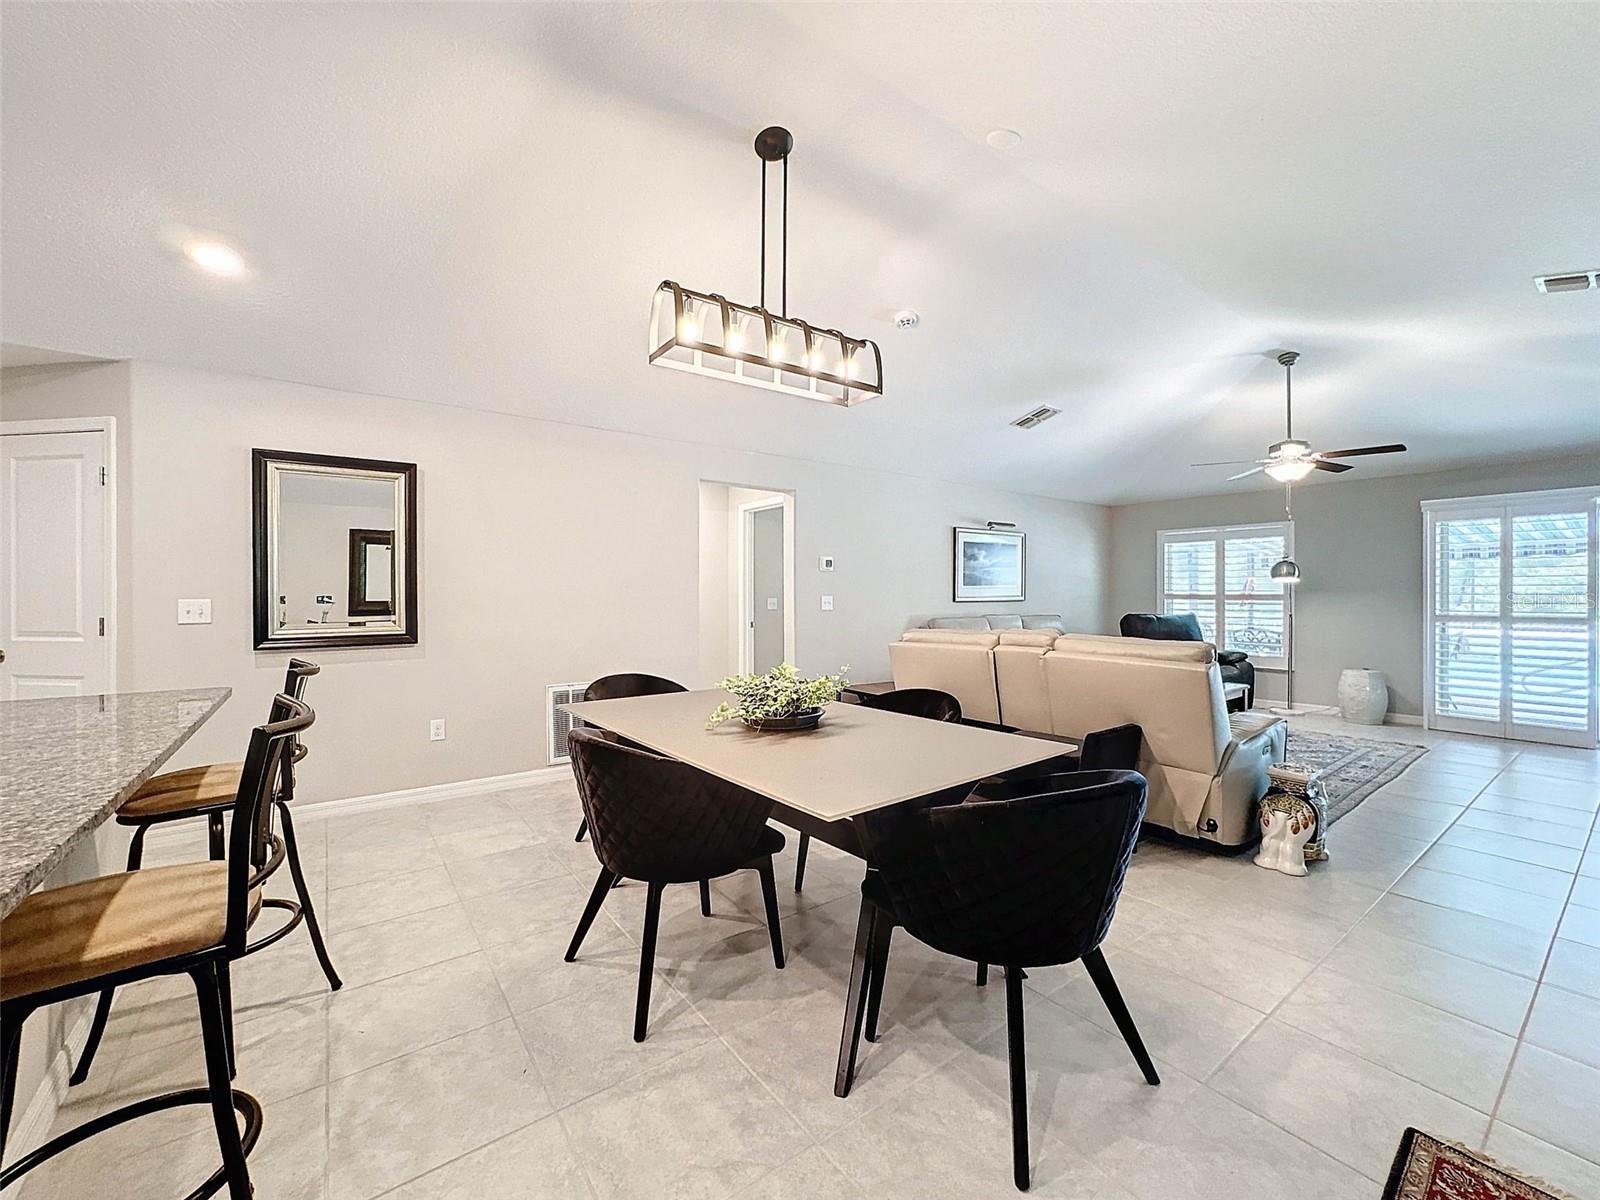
x=1396 y=448
x=1226 y=462
x=1245 y=474
x=1328 y=466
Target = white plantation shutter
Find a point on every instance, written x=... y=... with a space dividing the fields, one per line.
x=1512 y=624
x=1223 y=576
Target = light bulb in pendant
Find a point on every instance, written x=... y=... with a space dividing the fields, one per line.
x=775 y=349
x=735 y=339
x=688 y=328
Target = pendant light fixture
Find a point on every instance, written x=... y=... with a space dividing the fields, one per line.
x=707 y=334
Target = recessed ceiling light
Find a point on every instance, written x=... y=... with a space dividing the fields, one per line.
x=215 y=257
x=1004 y=139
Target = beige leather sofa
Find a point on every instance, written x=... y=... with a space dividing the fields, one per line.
x=1206 y=768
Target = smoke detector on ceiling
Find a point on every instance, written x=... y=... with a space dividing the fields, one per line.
x=1037 y=417
x=1569 y=281
x=906 y=318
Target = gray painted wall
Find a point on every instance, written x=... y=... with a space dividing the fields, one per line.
x=1359 y=543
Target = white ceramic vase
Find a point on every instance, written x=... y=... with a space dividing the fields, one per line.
x=1363 y=696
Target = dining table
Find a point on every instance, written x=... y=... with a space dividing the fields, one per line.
x=857 y=761
x=67 y=763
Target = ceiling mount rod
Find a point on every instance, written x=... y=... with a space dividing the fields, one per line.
x=773 y=144
x=1288 y=358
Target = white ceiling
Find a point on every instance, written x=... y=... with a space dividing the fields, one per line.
x=471 y=204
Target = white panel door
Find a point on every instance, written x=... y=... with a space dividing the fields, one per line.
x=53 y=561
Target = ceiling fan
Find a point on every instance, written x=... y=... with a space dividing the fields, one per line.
x=1292 y=459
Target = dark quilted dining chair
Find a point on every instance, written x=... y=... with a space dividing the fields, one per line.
x=662 y=821
x=1024 y=873
x=622 y=686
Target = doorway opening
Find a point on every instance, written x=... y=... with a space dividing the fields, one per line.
x=746 y=579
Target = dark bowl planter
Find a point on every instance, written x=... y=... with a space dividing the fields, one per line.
x=806 y=718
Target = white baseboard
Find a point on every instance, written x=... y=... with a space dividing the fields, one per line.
x=1402 y=719
x=430 y=792
x=33 y=1125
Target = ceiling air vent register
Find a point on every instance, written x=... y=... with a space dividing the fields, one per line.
x=1037 y=417
x=1572 y=281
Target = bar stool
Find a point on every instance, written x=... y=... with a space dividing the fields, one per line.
x=209 y=792
x=190 y=919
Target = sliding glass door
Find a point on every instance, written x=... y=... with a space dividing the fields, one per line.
x=1511 y=636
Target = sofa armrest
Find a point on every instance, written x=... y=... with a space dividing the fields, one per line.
x=1229 y=658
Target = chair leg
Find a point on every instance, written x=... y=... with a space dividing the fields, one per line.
x=705 y=897
x=769 y=894
x=225 y=995
x=647 y=960
x=1095 y=963
x=855 y=999
x=102 y=1006
x=219 y=844
x=983 y=974
x=214 y=1033
x=800 y=861
x=1017 y=1053
x=292 y=851
x=597 y=897
x=882 y=935
x=583 y=828
x=10 y=1055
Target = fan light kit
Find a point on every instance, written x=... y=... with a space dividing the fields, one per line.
x=1292 y=459
x=707 y=334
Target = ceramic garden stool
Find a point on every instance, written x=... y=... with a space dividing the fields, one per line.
x=1294 y=820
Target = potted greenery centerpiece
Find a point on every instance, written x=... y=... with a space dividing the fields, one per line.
x=780 y=699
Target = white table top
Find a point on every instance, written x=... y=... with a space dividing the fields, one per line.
x=857 y=760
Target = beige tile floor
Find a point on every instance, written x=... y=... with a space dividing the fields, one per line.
x=1443 y=970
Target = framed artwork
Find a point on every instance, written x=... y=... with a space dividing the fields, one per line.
x=990 y=564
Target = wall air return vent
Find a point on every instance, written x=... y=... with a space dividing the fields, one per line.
x=1037 y=417
x=1572 y=281
x=558 y=722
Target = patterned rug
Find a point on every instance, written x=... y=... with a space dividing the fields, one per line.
x=1429 y=1169
x=1352 y=768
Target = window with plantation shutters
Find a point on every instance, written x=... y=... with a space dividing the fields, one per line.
x=1223 y=575
x=1511 y=635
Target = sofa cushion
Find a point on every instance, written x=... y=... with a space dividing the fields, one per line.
x=958 y=637
x=1181 y=627
x=1140 y=648
x=1050 y=621
x=979 y=623
x=1027 y=637
x=1004 y=621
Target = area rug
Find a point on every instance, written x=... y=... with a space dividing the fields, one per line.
x=1352 y=768
x=1427 y=1168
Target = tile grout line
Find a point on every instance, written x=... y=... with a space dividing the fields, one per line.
x=1522 y=1034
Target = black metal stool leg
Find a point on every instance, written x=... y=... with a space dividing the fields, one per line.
x=647 y=959
x=800 y=861
x=1017 y=1054
x=214 y=1033
x=292 y=852
x=102 y=1006
x=983 y=974
x=855 y=1000
x=225 y=995
x=597 y=897
x=705 y=898
x=1095 y=963
x=583 y=828
x=769 y=894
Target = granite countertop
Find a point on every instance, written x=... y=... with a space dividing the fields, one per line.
x=68 y=763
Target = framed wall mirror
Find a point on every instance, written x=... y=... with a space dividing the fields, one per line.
x=335 y=551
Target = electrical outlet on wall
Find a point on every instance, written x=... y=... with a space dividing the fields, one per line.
x=827 y=604
x=825 y=563
x=436 y=730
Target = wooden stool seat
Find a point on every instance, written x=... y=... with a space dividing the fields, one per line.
x=86 y=930
x=191 y=791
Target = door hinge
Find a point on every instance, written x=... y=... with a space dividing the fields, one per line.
x=102 y=477
x=102 y=627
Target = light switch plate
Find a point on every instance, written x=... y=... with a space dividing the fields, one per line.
x=772 y=604
x=827 y=604
x=194 y=612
